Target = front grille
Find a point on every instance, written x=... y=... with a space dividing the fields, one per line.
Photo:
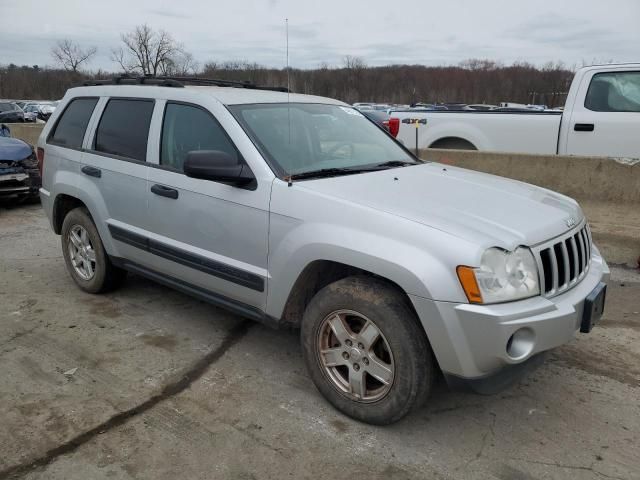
x=564 y=261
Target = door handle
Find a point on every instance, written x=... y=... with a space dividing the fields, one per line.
x=92 y=171
x=164 y=191
x=584 y=127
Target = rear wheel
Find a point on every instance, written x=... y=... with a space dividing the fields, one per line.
x=84 y=254
x=365 y=350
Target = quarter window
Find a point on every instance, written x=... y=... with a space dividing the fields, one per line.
x=614 y=92
x=70 y=129
x=187 y=128
x=124 y=128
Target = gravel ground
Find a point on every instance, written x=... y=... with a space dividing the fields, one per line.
x=147 y=383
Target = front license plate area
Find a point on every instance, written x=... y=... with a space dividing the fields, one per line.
x=593 y=307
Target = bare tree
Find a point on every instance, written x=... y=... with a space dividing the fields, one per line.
x=354 y=63
x=181 y=63
x=70 y=55
x=146 y=51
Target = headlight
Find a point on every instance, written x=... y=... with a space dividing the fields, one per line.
x=502 y=276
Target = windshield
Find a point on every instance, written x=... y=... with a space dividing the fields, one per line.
x=299 y=137
x=6 y=107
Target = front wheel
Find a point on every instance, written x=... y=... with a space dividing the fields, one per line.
x=365 y=350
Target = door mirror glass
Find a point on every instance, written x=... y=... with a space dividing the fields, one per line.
x=218 y=166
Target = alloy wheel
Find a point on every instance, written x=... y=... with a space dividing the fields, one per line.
x=355 y=356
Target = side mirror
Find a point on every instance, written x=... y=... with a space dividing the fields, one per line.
x=219 y=167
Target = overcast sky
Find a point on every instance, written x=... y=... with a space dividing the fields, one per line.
x=380 y=31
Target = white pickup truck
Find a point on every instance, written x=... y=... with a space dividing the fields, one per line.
x=601 y=118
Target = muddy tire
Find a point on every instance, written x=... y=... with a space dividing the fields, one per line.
x=84 y=255
x=366 y=351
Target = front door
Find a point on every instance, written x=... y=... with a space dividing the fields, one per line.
x=206 y=234
x=608 y=123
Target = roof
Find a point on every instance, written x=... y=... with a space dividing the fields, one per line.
x=234 y=96
x=225 y=95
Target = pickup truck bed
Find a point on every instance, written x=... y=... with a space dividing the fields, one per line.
x=537 y=131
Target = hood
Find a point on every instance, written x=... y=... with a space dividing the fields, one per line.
x=13 y=149
x=478 y=207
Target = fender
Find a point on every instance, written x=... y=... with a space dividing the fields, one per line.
x=406 y=263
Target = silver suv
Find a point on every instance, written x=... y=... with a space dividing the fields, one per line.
x=297 y=210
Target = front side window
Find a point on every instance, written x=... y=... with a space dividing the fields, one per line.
x=70 y=129
x=187 y=128
x=614 y=92
x=301 y=138
x=124 y=128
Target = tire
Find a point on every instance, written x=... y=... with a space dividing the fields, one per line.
x=360 y=303
x=105 y=276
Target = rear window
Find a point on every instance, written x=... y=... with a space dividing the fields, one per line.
x=124 y=128
x=69 y=131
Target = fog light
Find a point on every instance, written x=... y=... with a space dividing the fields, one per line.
x=521 y=343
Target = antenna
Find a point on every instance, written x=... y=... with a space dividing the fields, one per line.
x=286 y=24
x=286 y=21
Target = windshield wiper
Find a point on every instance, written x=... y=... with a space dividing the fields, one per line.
x=327 y=172
x=334 y=172
x=394 y=163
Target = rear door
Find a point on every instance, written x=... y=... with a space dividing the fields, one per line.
x=64 y=144
x=207 y=234
x=115 y=170
x=607 y=123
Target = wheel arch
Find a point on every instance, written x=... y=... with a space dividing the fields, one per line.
x=318 y=274
x=453 y=143
x=62 y=205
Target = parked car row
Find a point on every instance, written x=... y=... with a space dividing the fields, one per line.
x=19 y=111
x=453 y=106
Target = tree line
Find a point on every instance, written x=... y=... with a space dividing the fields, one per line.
x=145 y=51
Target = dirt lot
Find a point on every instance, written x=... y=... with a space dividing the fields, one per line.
x=147 y=383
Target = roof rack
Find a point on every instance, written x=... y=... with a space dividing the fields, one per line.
x=179 y=82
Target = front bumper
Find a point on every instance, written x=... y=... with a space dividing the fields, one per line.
x=19 y=181
x=475 y=342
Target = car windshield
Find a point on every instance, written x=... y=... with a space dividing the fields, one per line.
x=6 y=107
x=302 y=138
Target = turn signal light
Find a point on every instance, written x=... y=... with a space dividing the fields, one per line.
x=469 y=284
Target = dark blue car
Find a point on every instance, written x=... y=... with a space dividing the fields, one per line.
x=19 y=174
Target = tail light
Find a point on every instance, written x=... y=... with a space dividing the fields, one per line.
x=40 y=156
x=394 y=126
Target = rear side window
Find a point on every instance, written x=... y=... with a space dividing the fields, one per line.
x=124 y=128
x=187 y=128
x=69 y=131
x=614 y=92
